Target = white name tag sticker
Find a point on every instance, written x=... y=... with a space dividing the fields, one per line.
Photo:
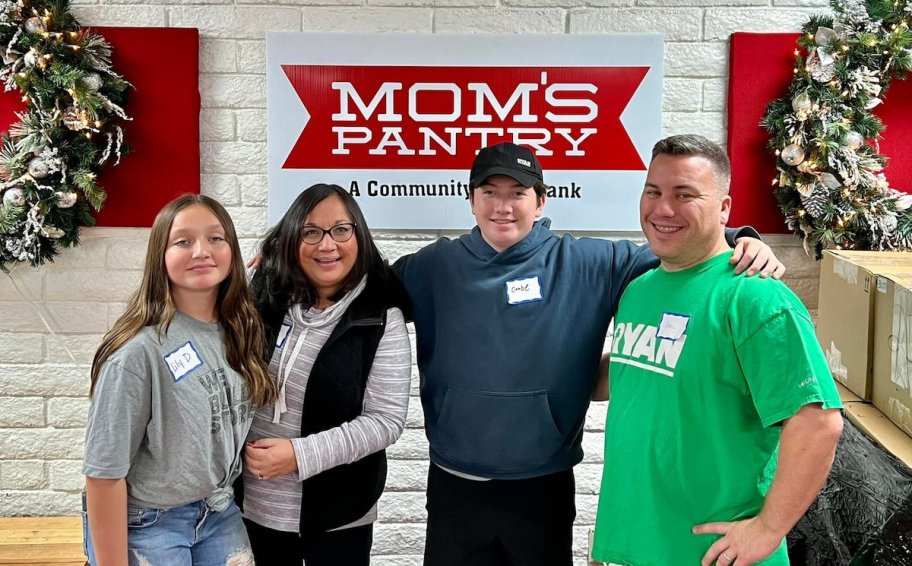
x=523 y=290
x=283 y=334
x=183 y=361
x=672 y=326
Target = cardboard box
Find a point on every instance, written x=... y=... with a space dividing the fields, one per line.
x=875 y=425
x=892 y=349
x=878 y=428
x=845 y=316
x=847 y=396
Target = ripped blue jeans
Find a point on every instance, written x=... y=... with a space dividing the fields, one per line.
x=191 y=535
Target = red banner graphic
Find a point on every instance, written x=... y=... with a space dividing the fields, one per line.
x=400 y=117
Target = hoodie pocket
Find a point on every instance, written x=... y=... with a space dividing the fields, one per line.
x=496 y=432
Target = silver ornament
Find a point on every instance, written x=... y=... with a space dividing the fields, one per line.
x=824 y=36
x=92 y=81
x=66 y=200
x=53 y=232
x=34 y=25
x=14 y=197
x=38 y=168
x=802 y=103
x=30 y=59
x=889 y=222
x=853 y=140
x=793 y=154
x=830 y=181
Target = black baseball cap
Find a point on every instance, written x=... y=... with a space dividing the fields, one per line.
x=507 y=159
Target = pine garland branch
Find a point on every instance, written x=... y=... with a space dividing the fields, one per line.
x=50 y=158
x=831 y=189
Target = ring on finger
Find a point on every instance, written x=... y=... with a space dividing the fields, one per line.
x=726 y=557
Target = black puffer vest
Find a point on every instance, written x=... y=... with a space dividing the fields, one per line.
x=335 y=395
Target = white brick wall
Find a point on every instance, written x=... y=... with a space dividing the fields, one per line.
x=43 y=392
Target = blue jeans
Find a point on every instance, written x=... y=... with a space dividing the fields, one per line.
x=191 y=535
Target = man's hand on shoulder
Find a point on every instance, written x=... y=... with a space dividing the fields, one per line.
x=755 y=256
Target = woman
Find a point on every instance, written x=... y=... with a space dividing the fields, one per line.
x=315 y=463
x=172 y=386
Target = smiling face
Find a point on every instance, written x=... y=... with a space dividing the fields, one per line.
x=327 y=263
x=197 y=256
x=504 y=210
x=682 y=212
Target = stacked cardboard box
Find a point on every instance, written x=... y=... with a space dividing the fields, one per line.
x=892 y=354
x=865 y=328
x=845 y=318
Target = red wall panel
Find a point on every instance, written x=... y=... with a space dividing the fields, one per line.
x=761 y=71
x=163 y=66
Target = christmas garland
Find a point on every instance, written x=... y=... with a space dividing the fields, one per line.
x=50 y=158
x=831 y=188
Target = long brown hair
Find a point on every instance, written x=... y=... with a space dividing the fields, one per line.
x=152 y=304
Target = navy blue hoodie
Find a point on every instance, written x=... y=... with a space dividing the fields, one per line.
x=507 y=371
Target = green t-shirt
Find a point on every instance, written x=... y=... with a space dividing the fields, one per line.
x=704 y=365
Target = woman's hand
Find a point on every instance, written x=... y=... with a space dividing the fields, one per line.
x=267 y=458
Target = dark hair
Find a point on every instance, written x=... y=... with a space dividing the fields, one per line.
x=540 y=188
x=698 y=146
x=280 y=274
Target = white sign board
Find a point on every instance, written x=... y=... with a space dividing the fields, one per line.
x=397 y=120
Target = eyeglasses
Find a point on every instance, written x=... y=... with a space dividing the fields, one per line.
x=339 y=233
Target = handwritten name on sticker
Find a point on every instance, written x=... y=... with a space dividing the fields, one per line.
x=183 y=361
x=672 y=326
x=523 y=290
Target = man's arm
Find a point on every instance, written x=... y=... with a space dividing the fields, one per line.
x=732 y=235
x=601 y=385
x=807 y=448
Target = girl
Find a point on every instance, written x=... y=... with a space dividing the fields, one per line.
x=172 y=387
x=315 y=464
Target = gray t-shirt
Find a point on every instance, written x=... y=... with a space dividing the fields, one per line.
x=170 y=416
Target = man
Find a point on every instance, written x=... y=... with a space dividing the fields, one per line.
x=712 y=379
x=510 y=321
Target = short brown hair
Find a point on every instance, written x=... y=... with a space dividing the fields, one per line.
x=698 y=146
